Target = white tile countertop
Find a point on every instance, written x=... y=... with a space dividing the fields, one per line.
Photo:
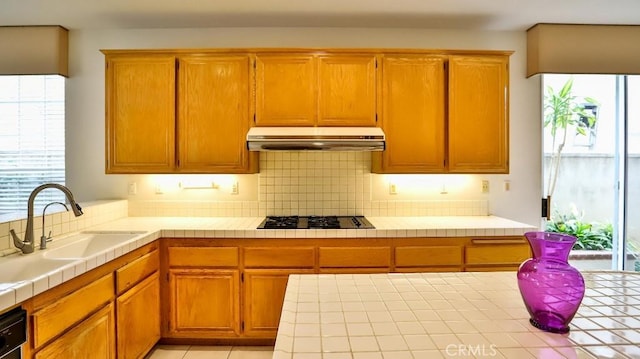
x=450 y=315
x=245 y=227
x=17 y=291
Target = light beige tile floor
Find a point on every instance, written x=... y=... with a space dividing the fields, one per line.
x=210 y=352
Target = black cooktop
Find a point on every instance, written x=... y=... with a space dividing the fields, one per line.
x=315 y=222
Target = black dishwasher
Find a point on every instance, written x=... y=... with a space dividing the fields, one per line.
x=13 y=333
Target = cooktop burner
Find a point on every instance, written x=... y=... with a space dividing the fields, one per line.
x=315 y=222
x=323 y=222
x=280 y=222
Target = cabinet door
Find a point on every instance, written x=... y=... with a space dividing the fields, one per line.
x=285 y=90
x=203 y=303
x=347 y=90
x=140 y=106
x=478 y=114
x=139 y=318
x=93 y=338
x=263 y=296
x=413 y=115
x=214 y=113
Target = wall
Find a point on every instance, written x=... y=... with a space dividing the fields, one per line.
x=300 y=183
x=85 y=117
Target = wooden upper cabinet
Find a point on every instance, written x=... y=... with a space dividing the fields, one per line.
x=347 y=90
x=307 y=89
x=285 y=90
x=140 y=106
x=478 y=114
x=412 y=103
x=204 y=132
x=214 y=103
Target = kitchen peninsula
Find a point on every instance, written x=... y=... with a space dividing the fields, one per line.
x=450 y=315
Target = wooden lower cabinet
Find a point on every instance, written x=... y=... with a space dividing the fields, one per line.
x=354 y=257
x=63 y=313
x=93 y=338
x=263 y=295
x=203 y=303
x=435 y=258
x=228 y=290
x=496 y=254
x=138 y=309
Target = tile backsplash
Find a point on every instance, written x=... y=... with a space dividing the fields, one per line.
x=309 y=183
x=289 y=183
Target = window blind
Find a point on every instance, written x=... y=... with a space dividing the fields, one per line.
x=32 y=151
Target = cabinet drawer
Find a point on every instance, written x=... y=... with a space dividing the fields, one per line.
x=490 y=251
x=423 y=256
x=93 y=338
x=279 y=257
x=346 y=257
x=65 y=312
x=203 y=256
x=134 y=272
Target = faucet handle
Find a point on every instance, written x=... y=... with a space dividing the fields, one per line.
x=44 y=239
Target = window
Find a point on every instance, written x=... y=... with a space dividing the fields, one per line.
x=32 y=150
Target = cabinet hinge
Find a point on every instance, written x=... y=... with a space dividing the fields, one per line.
x=376 y=118
x=242 y=326
x=167 y=277
x=375 y=62
x=242 y=277
x=255 y=66
x=254 y=118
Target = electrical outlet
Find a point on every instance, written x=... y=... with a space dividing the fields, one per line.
x=133 y=188
x=393 y=189
x=235 y=188
x=485 y=186
x=507 y=185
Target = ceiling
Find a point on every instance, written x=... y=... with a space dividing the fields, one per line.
x=501 y=15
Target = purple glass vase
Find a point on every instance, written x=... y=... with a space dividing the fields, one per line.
x=552 y=289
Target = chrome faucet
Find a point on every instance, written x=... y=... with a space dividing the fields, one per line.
x=44 y=239
x=26 y=245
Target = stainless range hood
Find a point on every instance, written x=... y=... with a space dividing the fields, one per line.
x=315 y=139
